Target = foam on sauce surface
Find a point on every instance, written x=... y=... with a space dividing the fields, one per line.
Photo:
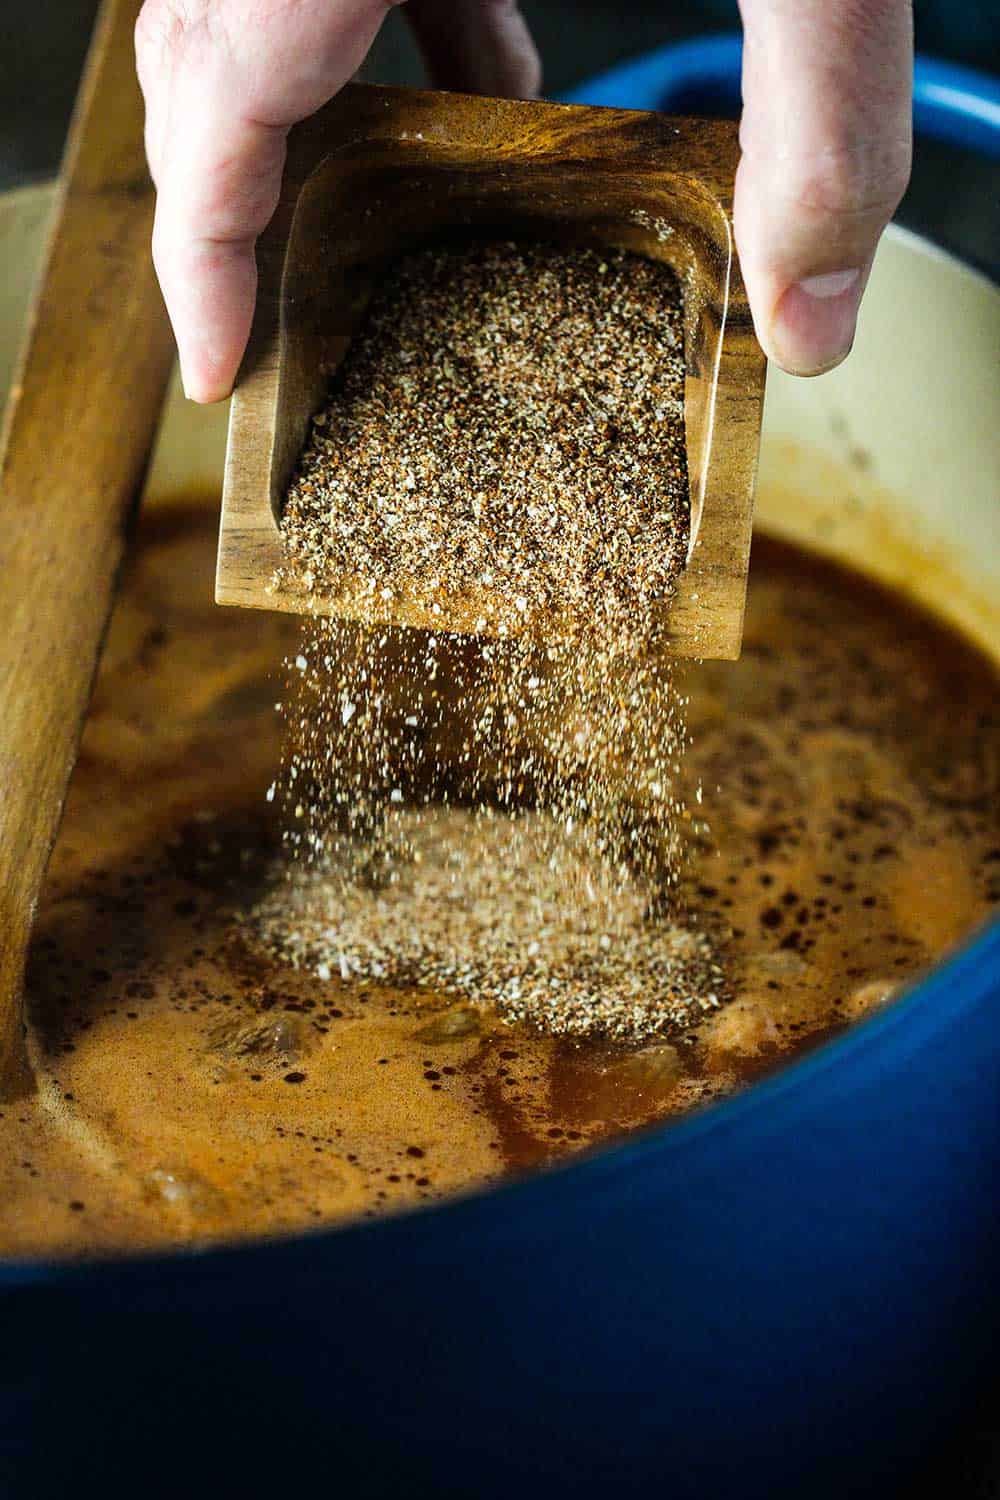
x=190 y=1089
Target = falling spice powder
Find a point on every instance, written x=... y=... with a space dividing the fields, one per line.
x=493 y=815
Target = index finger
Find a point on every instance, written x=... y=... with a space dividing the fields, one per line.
x=222 y=91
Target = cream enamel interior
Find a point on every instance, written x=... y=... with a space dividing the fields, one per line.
x=892 y=461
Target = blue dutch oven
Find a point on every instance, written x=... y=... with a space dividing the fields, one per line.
x=793 y=1294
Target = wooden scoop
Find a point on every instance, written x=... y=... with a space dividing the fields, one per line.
x=382 y=171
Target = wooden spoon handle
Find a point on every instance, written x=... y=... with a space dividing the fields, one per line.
x=78 y=431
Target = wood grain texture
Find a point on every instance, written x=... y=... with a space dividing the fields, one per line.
x=77 y=434
x=381 y=171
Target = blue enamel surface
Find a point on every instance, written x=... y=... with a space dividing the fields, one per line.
x=953 y=103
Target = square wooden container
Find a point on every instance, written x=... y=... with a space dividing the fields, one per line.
x=382 y=171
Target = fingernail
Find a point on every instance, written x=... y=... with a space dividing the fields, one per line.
x=814 y=322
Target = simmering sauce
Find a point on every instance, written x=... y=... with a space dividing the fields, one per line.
x=191 y=1089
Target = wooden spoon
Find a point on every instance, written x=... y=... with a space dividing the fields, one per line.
x=380 y=171
x=77 y=434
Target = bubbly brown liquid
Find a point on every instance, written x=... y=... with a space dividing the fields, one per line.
x=191 y=1090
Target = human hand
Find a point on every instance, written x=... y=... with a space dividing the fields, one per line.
x=224 y=81
x=827 y=140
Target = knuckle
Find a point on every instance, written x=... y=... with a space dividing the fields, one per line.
x=163 y=259
x=864 y=180
x=163 y=262
x=872 y=18
x=157 y=29
x=162 y=26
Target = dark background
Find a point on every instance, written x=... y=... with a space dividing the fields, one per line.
x=954 y=198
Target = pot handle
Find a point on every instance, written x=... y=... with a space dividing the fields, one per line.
x=952 y=103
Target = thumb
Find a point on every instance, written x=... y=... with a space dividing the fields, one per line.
x=827 y=140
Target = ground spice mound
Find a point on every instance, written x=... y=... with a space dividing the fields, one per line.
x=506 y=430
x=504 y=909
